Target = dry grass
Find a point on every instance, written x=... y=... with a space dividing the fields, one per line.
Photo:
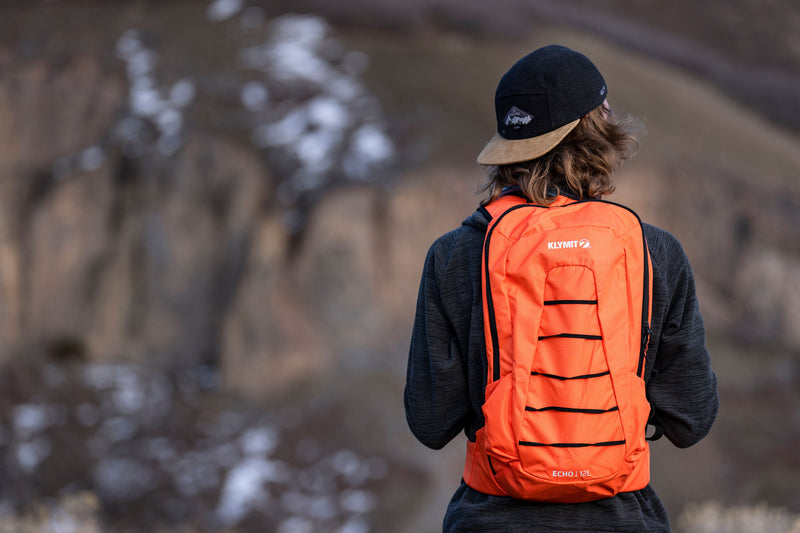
x=712 y=517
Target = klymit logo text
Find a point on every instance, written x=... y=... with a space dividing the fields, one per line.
x=558 y=245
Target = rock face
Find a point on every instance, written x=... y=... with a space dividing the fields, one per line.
x=136 y=227
x=741 y=239
x=172 y=246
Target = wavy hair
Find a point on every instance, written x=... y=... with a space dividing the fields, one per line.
x=582 y=163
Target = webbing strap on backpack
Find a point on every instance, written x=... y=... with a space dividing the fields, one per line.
x=567 y=291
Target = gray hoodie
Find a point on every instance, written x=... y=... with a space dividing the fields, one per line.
x=447 y=369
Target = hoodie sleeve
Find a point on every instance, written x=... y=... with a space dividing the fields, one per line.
x=436 y=392
x=682 y=387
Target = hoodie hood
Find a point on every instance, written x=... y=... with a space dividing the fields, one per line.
x=478 y=220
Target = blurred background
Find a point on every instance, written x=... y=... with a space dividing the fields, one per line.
x=213 y=218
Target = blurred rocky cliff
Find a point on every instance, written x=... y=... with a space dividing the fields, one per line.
x=154 y=212
x=213 y=216
x=165 y=242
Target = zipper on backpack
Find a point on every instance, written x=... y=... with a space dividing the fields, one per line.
x=646 y=332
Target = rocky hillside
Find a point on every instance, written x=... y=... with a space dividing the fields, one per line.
x=214 y=216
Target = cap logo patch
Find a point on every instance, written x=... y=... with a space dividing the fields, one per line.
x=517 y=118
x=603 y=91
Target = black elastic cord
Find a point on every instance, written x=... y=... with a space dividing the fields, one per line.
x=572 y=444
x=571 y=410
x=572 y=336
x=564 y=378
x=564 y=302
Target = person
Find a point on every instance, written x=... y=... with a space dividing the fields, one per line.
x=555 y=135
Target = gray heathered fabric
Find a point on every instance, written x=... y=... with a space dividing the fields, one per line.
x=447 y=372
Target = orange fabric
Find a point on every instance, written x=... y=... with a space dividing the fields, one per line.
x=565 y=408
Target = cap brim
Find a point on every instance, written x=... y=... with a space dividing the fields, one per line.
x=502 y=151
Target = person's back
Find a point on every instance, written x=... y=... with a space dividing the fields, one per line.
x=554 y=139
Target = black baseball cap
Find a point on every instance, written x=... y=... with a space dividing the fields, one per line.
x=539 y=101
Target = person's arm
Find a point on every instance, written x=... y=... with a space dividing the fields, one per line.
x=682 y=386
x=436 y=382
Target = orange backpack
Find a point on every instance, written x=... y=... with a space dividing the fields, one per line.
x=566 y=300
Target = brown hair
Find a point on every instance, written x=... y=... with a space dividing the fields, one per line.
x=581 y=164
